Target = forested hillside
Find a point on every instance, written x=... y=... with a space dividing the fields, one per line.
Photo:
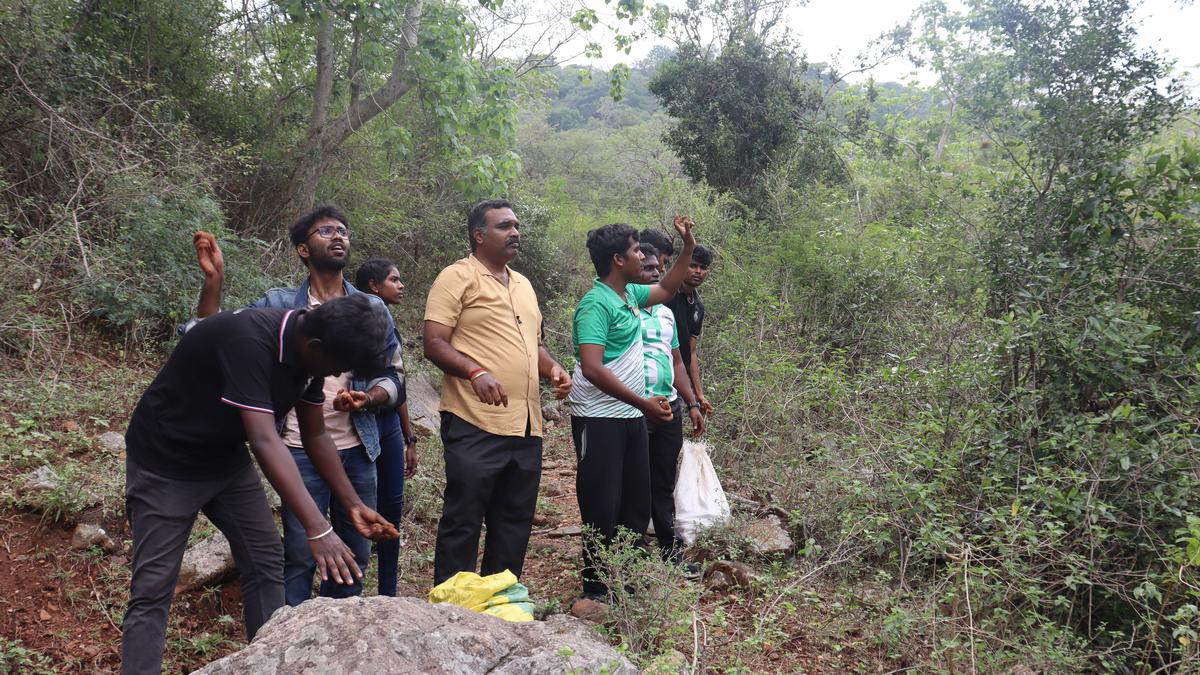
x=952 y=334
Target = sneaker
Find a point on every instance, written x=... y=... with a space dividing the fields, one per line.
x=690 y=570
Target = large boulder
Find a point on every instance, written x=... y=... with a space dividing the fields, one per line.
x=408 y=635
x=423 y=401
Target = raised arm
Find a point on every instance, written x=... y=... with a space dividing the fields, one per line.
x=212 y=263
x=669 y=285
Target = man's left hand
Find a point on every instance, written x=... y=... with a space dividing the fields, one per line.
x=410 y=460
x=697 y=422
x=705 y=406
x=350 y=401
x=561 y=381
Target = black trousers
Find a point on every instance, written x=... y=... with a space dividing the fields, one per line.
x=489 y=479
x=665 y=442
x=612 y=483
x=161 y=511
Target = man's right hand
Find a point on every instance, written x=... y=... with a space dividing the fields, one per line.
x=657 y=409
x=334 y=559
x=489 y=390
x=371 y=525
x=212 y=261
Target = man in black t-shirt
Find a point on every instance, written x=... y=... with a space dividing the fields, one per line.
x=687 y=307
x=228 y=381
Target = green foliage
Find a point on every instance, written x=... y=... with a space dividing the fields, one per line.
x=582 y=96
x=738 y=113
x=651 y=601
x=16 y=658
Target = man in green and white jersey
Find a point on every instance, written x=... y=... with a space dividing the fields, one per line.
x=665 y=376
x=608 y=401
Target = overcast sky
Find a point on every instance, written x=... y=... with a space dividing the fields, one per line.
x=838 y=30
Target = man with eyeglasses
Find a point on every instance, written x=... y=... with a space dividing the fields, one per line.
x=321 y=238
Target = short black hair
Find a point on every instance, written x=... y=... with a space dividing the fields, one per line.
x=353 y=331
x=605 y=242
x=375 y=269
x=703 y=255
x=299 y=230
x=477 y=216
x=659 y=240
x=648 y=250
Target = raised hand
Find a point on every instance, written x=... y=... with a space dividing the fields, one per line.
x=685 y=226
x=212 y=261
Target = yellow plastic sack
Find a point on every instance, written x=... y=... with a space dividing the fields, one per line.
x=499 y=595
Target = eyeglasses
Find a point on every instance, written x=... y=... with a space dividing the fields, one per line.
x=327 y=231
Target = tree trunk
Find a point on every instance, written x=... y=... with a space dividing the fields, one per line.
x=326 y=135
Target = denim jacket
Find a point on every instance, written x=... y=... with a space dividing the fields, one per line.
x=364 y=420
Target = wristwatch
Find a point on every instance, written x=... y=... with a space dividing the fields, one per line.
x=411 y=440
x=693 y=405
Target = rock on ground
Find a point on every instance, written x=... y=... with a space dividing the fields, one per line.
x=423 y=402
x=552 y=413
x=112 y=441
x=205 y=563
x=767 y=536
x=40 y=481
x=408 y=635
x=87 y=535
x=724 y=575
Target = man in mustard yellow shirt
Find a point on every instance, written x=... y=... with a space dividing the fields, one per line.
x=483 y=329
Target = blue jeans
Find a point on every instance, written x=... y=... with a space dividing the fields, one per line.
x=298 y=563
x=390 y=467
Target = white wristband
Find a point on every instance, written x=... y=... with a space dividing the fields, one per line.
x=322 y=534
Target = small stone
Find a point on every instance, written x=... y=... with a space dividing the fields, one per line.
x=553 y=490
x=568 y=531
x=725 y=575
x=540 y=520
x=112 y=441
x=589 y=610
x=551 y=412
x=43 y=615
x=207 y=562
x=42 y=480
x=70 y=426
x=88 y=535
x=670 y=662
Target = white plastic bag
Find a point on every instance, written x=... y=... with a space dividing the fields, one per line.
x=699 y=500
